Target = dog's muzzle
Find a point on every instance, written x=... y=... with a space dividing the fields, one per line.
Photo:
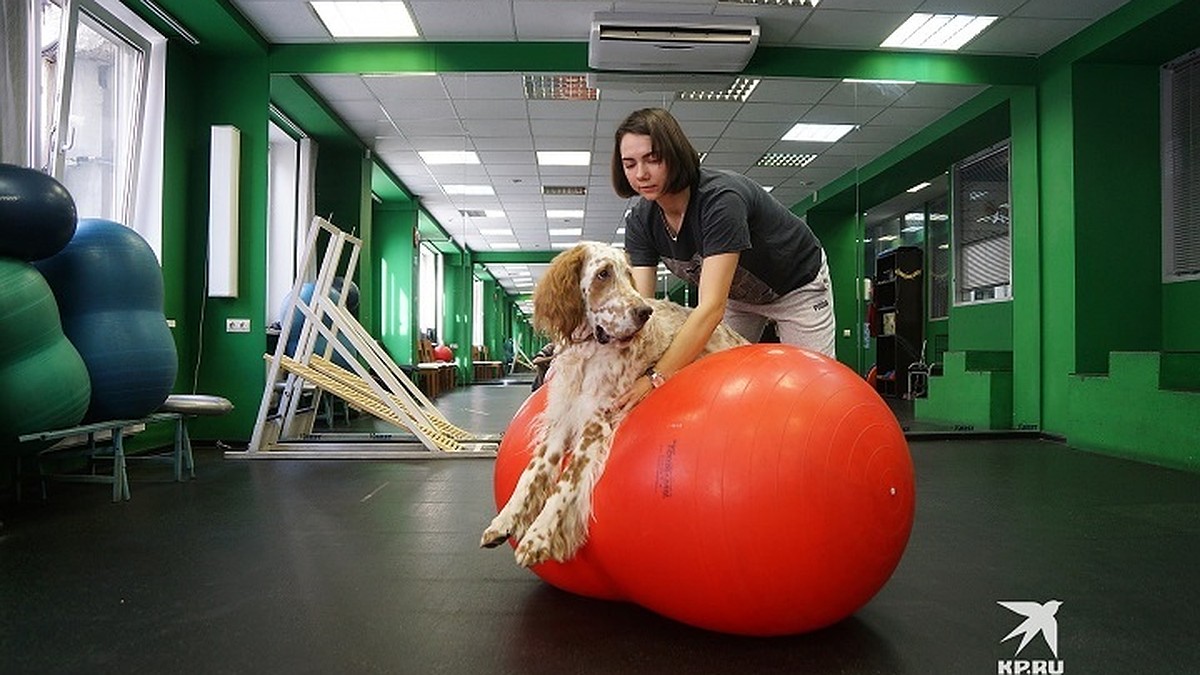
x=640 y=316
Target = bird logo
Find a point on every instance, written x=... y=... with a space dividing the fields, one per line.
x=1039 y=618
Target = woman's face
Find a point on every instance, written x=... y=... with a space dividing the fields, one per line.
x=644 y=169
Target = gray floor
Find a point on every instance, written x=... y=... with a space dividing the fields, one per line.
x=372 y=567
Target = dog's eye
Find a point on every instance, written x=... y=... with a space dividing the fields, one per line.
x=604 y=273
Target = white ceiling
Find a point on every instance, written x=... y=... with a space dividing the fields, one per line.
x=398 y=115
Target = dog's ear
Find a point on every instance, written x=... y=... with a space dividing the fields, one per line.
x=558 y=308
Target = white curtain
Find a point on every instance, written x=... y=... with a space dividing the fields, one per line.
x=14 y=82
x=306 y=204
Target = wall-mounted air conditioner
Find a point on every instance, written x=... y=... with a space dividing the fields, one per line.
x=648 y=42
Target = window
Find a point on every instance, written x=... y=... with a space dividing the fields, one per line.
x=477 y=312
x=99 y=103
x=981 y=227
x=1181 y=168
x=430 y=280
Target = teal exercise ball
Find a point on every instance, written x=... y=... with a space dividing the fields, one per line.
x=44 y=382
x=109 y=289
x=37 y=214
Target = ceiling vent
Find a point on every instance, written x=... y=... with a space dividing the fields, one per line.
x=648 y=42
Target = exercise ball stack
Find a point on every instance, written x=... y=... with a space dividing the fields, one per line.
x=109 y=289
x=43 y=381
x=764 y=490
x=37 y=214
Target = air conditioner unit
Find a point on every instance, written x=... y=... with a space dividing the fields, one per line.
x=653 y=43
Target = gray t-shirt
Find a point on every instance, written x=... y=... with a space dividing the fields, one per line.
x=729 y=213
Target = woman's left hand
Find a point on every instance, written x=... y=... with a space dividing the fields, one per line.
x=641 y=387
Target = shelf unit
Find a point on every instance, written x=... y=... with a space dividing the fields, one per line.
x=900 y=311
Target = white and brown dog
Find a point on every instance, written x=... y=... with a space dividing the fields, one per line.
x=608 y=335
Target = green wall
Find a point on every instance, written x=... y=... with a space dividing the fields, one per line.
x=395 y=268
x=1118 y=215
x=229 y=364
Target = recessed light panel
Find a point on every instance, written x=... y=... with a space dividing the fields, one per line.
x=366 y=19
x=818 y=133
x=449 y=157
x=937 y=31
x=564 y=157
x=471 y=190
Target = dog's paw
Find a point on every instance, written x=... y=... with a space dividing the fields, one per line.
x=534 y=549
x=498 y=531
x=492 y=538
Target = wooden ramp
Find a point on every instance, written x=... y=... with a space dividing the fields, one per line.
x=335 y=355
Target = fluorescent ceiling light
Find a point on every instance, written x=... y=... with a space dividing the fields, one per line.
x=559 y=88
x=618 y=244
x=785 y=159
x=481 y=213
x=772 y=3
x=566 y=231
x=937 y=31
x=449 y=157
x=740 y=90
x=819 y=133
x=918 y=188
x=507 y=245
x=855 y=80
x=472 y=190
x=366 y=19
x=496 y=231
x=620 y=230
x=564 y=157
x=564 y=213
x=562 y=245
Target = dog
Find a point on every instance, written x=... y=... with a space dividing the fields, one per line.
x=608 y=335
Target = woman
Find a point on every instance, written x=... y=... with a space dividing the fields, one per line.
x=752 y=259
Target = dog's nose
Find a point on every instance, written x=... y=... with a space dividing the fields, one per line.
x=643 y=314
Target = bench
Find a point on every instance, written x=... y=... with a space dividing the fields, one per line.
x=177 y=408
x=483 y=368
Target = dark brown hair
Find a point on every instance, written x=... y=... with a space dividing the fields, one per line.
x=667 y=140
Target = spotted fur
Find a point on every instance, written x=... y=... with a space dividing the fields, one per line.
x=608 y=336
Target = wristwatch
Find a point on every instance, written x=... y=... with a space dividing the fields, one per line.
x=656 y=378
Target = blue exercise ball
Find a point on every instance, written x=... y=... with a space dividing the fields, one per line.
x=37 y=214
x=306 y=295
x=109 y=290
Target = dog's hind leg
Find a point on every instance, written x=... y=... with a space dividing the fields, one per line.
x=561 y=528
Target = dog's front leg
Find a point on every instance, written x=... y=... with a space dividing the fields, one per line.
x=530 y=493
x=561 y=528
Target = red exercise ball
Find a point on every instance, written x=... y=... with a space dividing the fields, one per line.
x=578 y=575
x=764 y=490
x=443 y=353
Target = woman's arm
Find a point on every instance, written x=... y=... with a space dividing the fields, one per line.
x=644 y=280
x=716 y=276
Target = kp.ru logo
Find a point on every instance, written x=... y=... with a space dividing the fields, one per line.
x=1039 y=619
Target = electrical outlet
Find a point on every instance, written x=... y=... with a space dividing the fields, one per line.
x=237 y=325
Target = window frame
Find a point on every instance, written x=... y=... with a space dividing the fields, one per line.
x=958 y=259
x=1171 y=225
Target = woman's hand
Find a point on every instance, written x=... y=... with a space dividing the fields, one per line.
x=641 y=387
